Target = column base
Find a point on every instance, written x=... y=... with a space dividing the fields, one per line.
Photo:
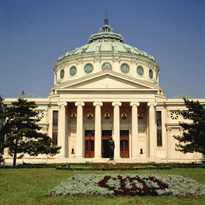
x=111 y=162
x=136 y=157
x=152 y=157
x=97 y=158
x=61 y=157
x=117 y=158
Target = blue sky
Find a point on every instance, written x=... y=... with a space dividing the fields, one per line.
x=34 y=33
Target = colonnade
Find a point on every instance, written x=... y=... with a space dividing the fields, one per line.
x=116 y=130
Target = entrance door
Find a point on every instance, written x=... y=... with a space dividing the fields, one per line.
x=124 y=143
x=106 y=134
x=89 y=143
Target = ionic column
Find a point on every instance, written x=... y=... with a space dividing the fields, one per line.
x=50 y=123
x=98 y=131
x=61 y=129
x=79 y=133
x=116 y=129
x=152 y=130
x=134 y=140
x=168 y=142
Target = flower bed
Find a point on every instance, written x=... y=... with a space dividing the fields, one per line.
x=112 y=166
x=129 y=184
x=106 y=166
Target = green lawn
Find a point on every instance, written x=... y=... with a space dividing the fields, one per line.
x=30 y=186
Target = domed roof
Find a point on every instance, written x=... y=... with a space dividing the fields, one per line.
x=106 y=41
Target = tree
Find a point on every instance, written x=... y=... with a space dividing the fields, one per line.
x=21 y=133
x=1 y=124
x=193 y=139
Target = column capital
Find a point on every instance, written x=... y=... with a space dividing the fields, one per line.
x=151 y=103
x=79 y=103
x=168 y=128
x=116 y=103
x=97 y=103
x=134 y=103
x=62 y=104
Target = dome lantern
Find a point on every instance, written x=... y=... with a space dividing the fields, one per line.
x=106 y=32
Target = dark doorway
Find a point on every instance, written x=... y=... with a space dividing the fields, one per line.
x=124 y=143
x=106 y=134
x=89 y=143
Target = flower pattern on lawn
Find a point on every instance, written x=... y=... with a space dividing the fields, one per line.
x=129 y=184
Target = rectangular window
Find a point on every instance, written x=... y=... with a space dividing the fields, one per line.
x=159 y=128
x=55 y=128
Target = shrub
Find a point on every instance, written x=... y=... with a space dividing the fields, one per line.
x=1 y=158
x=112 y=166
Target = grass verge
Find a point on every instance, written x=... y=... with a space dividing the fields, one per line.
x=30 y=186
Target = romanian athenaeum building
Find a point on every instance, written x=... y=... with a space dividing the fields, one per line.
x=108 y=88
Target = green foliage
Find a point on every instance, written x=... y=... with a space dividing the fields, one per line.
x=193 y=139
x=1 y=158
x=106 y=166
x=1 y=123
x=21 y=134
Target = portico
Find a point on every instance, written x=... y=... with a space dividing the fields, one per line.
x=94 y=122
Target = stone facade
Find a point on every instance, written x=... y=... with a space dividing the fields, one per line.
x=108 y=88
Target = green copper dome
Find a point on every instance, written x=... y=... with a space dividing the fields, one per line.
x=106 y=41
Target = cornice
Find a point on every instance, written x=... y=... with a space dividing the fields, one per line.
x=39 y=101
x=100 y=90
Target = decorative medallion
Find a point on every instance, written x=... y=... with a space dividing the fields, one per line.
x=125 y=68
x=140 y=70
x=107 y=115
x=124 y=115
x=88 y=68
x=40 y=115
x=140 y=115
x=73 y=115
x=106 y=66
x=174 y=115
x=62 y=74
x=150 y=73
x=90 y=115
x=73 y=70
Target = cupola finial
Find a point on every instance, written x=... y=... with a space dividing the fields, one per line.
x=106 y=19
x=106 y=27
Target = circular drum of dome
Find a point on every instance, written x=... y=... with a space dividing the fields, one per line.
x=73 y=70
x=125 y=68
x=106 y=66
x=88 y=68
x=140 y=70
x=150 y=73
x=62 y=74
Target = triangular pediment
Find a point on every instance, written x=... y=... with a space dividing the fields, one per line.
x=107 y=80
